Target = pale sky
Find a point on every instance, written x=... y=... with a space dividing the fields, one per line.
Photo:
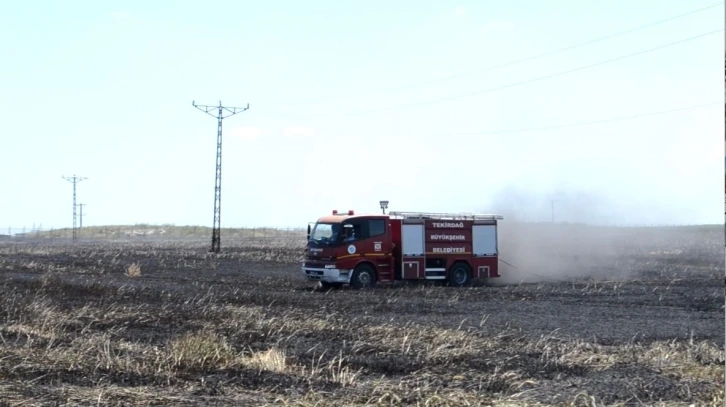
x=352 y=102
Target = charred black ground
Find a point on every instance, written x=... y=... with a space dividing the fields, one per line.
x=163 y=323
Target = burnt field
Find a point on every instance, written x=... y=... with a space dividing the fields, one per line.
x=584 y=317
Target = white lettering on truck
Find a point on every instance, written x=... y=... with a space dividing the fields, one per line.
x=448 y=225
x=449 y=250
x=448 y=237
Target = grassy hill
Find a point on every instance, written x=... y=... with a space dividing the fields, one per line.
x=199 y=233
x=166 y=232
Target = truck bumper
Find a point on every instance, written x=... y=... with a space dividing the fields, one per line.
x=327 y=275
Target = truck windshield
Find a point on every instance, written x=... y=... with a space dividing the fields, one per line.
x=325 y=232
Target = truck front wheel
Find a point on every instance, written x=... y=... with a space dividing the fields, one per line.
x=459 y=275
x=363 y=277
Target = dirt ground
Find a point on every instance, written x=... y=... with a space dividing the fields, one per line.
x=639 y=321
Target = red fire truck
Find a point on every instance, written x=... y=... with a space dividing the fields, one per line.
x=362 y=250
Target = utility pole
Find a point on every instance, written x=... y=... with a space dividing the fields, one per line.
x=80 y=226
x=222 y=113
x=75 y=180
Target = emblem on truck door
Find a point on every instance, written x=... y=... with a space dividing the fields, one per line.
x=377 y=246
x=351 y=249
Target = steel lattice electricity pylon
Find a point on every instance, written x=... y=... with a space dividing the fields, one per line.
x=74 y=180
x=80 y=224
x=216 y=227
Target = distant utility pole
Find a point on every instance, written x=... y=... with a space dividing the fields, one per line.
x=74 y=180
x=80 y=226
x=221 y=111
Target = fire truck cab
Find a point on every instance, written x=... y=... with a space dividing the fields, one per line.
x=366 y=249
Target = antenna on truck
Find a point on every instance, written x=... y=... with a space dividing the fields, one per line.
x=384 y=206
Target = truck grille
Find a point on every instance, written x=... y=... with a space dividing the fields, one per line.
x=314 y=274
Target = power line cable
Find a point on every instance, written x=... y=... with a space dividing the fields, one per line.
x=525 y=59
x=588 y=123
x=549 y=76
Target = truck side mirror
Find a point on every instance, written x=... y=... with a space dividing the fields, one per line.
x=308 y=231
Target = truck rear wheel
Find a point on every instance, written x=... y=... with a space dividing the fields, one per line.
x=460 y=275
x=363 y=277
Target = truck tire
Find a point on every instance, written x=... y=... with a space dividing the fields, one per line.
x=363 y=277
x=459 y=275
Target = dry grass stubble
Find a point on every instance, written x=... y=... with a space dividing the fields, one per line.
x=198 y=329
